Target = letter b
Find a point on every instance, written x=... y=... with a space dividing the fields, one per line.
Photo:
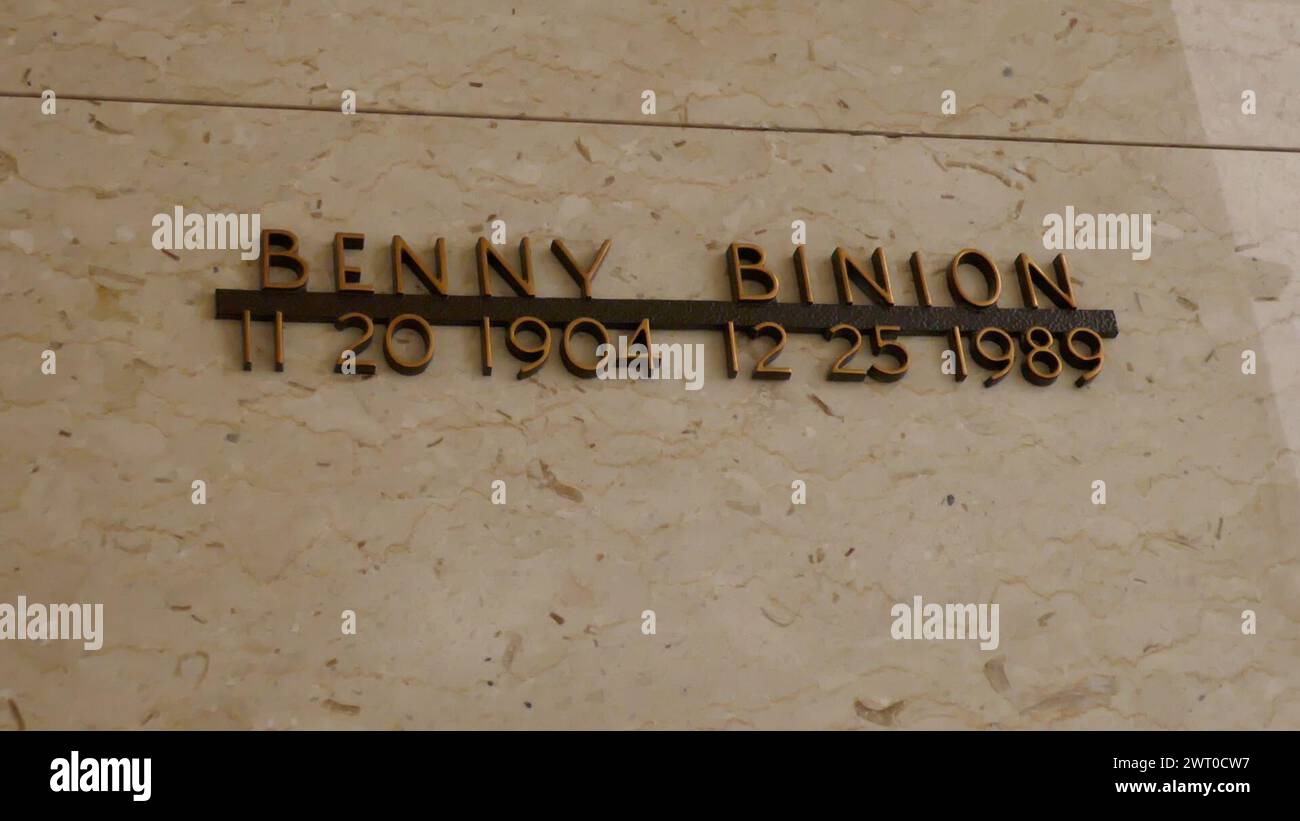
x=745 y=262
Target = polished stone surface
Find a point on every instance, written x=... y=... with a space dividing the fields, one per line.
x=328 y=493
x=1165 y=71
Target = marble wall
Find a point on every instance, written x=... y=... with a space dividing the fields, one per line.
x=329 y=493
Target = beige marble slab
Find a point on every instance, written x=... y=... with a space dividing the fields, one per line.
x=1167 y=71
x=328 y=493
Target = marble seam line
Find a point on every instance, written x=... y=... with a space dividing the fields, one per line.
x=697 y=126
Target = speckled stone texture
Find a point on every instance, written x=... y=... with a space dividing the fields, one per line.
x=1161 y=71
x=329 y=493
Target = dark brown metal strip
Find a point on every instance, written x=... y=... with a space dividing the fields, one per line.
x=664 y=314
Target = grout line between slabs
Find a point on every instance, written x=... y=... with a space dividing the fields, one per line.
x=696 y=126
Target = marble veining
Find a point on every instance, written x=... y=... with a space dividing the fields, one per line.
x=328 y=493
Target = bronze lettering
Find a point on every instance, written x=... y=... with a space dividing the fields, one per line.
x=1037 y=343
x=1080 y=333
x=959 y=353
x=348 y=277
x=279 y=340
x=286 y=257
x=846 y=271
x=746 y=263
x=490 y=260
x=585 y=325
x=801 y=275
x=733 y=357
x=533 y=355
x=888 y=347
x=763 y=368
x=581 y=277
x=1030 y=275
x=1092 y=362
x=403 y=256
x=356 y=320
x=1001 y=363
x=981 y=262
x=918 y=281
x=838 y=371
x=416 y=323
x=247 y=336
x=485 y=345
